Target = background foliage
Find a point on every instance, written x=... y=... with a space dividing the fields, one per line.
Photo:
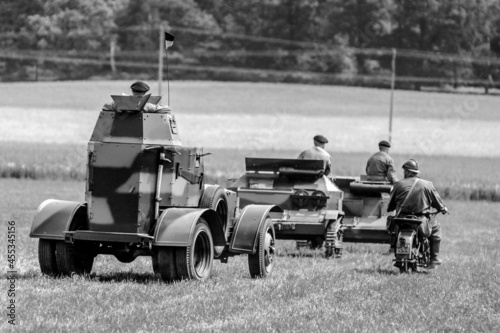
x=441 y=41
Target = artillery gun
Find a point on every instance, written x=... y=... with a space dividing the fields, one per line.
x=315 y=209
x=146 y=196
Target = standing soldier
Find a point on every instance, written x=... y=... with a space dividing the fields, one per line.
x=415 y=196
x=318 y=152
x=380 y=165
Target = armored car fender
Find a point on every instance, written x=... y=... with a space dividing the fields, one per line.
x=247 y=227
x=54 y=217
x=176 y=227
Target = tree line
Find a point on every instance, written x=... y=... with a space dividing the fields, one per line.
x=314 y=36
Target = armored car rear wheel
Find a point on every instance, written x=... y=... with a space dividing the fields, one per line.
x=47 y=257
x=261 y=263
x=69 y=261
x=155 y=264
x=164 y=263
x=195 y=261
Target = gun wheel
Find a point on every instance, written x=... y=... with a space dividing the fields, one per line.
x=261 y=263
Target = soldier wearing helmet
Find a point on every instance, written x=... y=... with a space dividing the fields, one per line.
x=318 y=152
x=138 y=88
x=380 y=165
x=415 y=196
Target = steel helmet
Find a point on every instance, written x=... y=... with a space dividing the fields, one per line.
x=411 y=165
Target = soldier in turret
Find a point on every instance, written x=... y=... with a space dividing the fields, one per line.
x=139 y=89
x=380 y=165
x=318 y=152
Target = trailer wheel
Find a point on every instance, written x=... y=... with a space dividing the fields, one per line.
x=215 y=197
x=47 y=257
x=195 y=261
x=261 y=263
x=316 y=243
x=164 y=259
x=70 y=261
x=301 y=245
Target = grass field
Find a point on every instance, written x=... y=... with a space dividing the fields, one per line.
x=263 y=116
x=361 y=292
x=454 y=137
x=43 y=135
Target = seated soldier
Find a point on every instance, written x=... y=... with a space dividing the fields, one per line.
x=318 y=152
x=380 y=165
x=139 y=88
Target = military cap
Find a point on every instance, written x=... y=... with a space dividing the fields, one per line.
x=320 y=138
x=139 y=86
x=384 y=143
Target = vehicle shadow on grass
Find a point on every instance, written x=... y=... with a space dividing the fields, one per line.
x=299 y=255
x=387 y=271
x=373 y=271
x=31 y=274
x=140 y=278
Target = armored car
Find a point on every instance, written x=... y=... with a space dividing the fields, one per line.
x=146 y=196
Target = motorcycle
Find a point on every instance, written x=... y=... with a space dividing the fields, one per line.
x=412 y=248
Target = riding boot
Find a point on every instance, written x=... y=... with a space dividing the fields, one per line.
x=435 y=261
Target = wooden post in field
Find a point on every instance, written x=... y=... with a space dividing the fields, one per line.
x=112 y=50
x=160 y=58
x=393 y=81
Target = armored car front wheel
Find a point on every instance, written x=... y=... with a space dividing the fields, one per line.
x=261 y=263
x=214 y=197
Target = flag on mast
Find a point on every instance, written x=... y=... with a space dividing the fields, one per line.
x=169 y=40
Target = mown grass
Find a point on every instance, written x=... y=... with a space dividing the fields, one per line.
x=455 y=177
x=361 y=292
x=208 y=97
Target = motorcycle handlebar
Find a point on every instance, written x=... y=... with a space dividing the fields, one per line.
x=444 y=212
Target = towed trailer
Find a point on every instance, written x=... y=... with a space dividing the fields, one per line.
x=315 y=210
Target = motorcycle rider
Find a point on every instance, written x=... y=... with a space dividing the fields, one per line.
x=415 y=196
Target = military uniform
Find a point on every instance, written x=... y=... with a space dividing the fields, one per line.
x=148 y=107
x=419 y=203
x=139 y=88
x=317 y=153
x=380 y=166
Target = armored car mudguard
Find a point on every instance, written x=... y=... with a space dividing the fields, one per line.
x=311 y=203
x=146 y=196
